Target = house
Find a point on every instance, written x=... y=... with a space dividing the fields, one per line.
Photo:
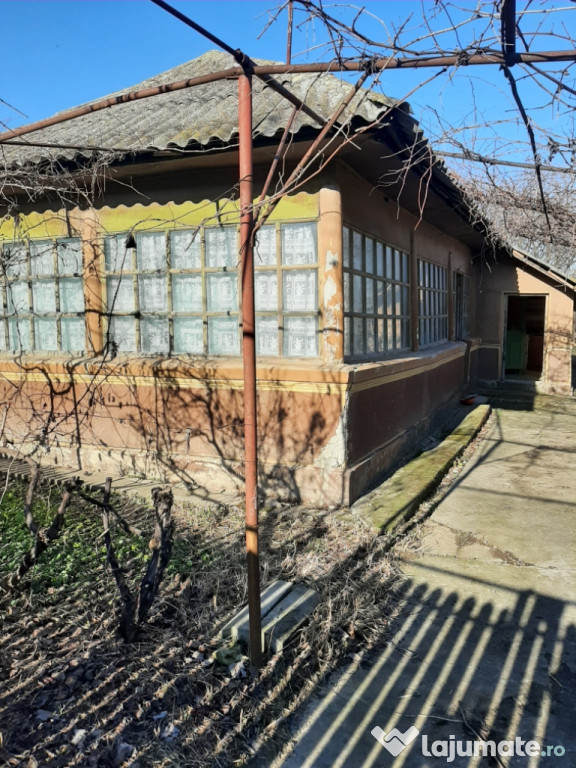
x=527 y=327
x=120 y=339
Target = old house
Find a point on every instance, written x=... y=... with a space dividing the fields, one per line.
x=120 y=338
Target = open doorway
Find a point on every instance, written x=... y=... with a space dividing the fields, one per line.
x=524 y=347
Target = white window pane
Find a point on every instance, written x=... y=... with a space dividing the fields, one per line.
x=185 y=250
x=369 y=296
x=397 y=268
x=222 y=291
x=223 y=338
x=118 y=258
x=73 y=334
x=357 y=258
x=17 y=294
x=123 y=333
x=120 y=294
x=380 y=289
x=346 y=292
x=347 y=336
x=300 y=337
x=15 y=260
x=346 y=246
x=389 y=334
x=71 y=295
x=369 y=256
x=380 y=259
x=265 y=252
x=188 y=335
x=45 y=334
x=389 y=299
x=69 y=257
x=389 y=263
x=370 y=336
x=299 y=290
x=358 y=293
x=44 y=296
x=299 y=244
x=19 y=334
x=398 y=306
x=152 y=293
x=358 y=344
x=42 y=258
x=381 y=327
x=151 y=251
x=222 y=247
x=3 y=347
x=186 y=293
x=154 y=335
x=267 y=336
x=404 y=267
x=266 y=291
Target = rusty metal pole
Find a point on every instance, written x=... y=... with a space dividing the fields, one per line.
x=249 y=359
x=289 y=35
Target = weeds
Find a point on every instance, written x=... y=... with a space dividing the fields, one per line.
x=165 y=701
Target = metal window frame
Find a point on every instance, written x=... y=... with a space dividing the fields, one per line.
x=461 y=294
x=394 y=335
x=432 y=303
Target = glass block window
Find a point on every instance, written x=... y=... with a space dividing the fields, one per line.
x=43 y=297
x=461 y=296
x=286 y=290
x=376 y=297
x=432 y=303
x=178 y=292
x=155 y=292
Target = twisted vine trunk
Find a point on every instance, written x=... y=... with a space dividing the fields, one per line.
x=42 y=536
x=135 y=608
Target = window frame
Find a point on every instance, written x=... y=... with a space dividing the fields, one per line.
x=55 y=273
x=204 y=270
x=387 y=269
x=461 y=304
x=433 y=326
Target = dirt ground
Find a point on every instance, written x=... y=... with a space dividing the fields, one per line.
x=72 y=693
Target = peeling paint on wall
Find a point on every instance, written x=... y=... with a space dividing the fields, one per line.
x=333 y=455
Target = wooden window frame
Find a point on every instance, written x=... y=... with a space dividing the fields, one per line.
x=31 y=316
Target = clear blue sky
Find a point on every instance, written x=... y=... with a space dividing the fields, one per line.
x=57 y=54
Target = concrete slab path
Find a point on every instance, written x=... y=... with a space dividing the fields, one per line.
x=482 y=649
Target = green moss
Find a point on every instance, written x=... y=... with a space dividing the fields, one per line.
x=397 y=499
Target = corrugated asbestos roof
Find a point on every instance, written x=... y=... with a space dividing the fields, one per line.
x=196 y=116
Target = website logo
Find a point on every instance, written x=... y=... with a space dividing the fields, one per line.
x=394 y=741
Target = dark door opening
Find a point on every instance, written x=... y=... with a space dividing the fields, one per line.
x=525 y=336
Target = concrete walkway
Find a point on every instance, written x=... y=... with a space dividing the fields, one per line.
x=483 y=646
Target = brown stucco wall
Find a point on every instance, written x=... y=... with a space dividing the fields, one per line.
x=167 y=419
x=326 y=430
x=392 y=407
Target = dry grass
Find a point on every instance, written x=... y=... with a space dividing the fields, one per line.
x=73 y=694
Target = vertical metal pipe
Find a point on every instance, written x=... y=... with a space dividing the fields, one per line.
x=289 y=36
x=249 y=359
